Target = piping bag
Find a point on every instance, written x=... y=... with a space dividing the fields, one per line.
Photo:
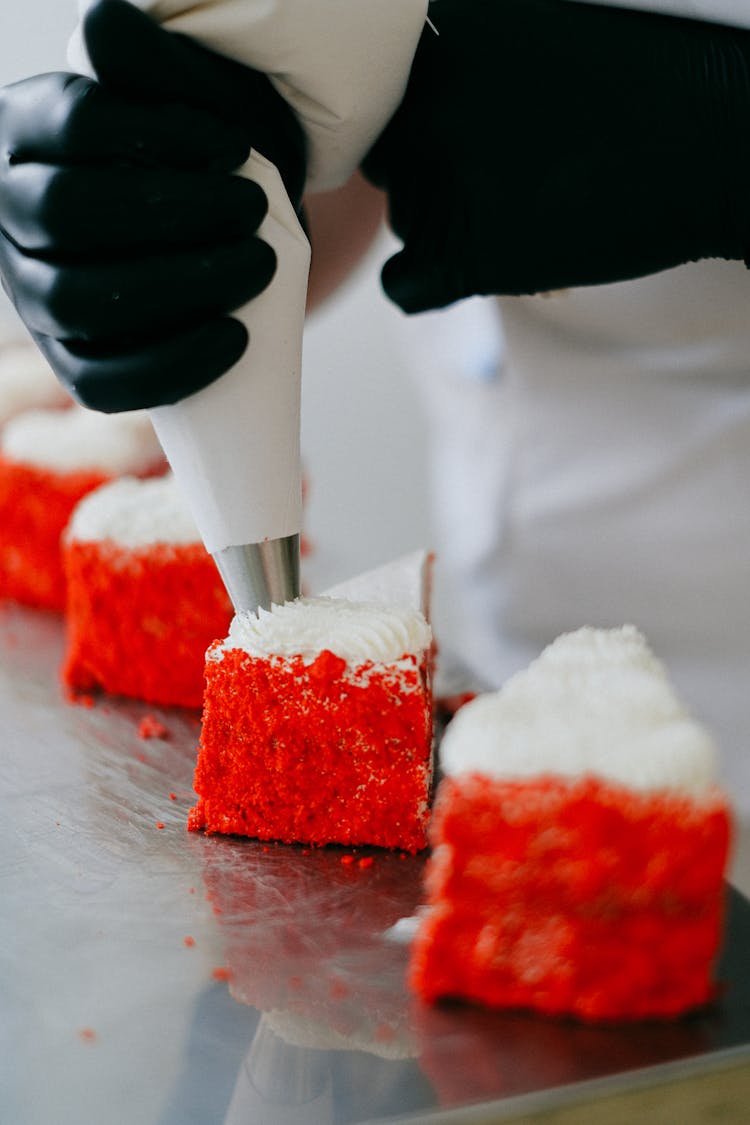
x=234 y=446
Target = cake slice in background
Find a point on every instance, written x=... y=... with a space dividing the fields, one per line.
x=406 y=582
x=27 y=382
x=49 y=460
x=144 y=597
x=317 y=723
x=580 y=842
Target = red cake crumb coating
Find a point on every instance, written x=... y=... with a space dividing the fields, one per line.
x=139 y=620
x=315 y=753
x=35 y=505
x=581 y=898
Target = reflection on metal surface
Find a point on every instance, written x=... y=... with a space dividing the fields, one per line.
x=281 y=1084
x=305 y=933
x=113 y=927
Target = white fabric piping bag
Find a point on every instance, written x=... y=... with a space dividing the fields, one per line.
x=235 y=446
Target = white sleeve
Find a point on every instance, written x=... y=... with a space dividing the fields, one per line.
x=341 y=64
x=734 y=12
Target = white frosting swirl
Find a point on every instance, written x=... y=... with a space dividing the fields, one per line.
x=134 y=513
x=596 y=701
x=69 y=440
x=355 y=631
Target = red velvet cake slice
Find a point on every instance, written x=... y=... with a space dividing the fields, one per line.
x=144 y=597
x=49 y=460
x=580 y=842
x=317 y=723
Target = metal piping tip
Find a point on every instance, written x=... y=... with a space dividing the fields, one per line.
x=258 y=575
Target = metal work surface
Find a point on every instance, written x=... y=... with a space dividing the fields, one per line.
x=153 y=976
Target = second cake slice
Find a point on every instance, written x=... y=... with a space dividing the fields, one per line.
x=317 y=724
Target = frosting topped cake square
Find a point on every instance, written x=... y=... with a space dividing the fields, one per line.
x=317 y=725
x=580 y=842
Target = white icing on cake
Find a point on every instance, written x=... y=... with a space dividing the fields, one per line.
x=134 y=513
x=596 y=701
x=26 y=382
x=69 y=440
x=355 y=631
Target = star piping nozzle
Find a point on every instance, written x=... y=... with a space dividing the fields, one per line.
x=259 y=575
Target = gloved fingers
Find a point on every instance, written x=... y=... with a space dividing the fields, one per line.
x=651 y=223
x=173 y=68
x=63 y=118
x=414 y=287
x=569 y=237
x=129 y=297
x=133 y=54
x=154 y=373
x=83 y=212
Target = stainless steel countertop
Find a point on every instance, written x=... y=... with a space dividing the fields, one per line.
x=157 y=977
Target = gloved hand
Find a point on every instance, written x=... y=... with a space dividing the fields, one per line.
x=124 y=238
x=543 y=144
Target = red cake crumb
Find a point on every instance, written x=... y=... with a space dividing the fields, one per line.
x=384 y=1033
x=315 y=753
x=188 y=941
x=87 y=1034
x=82 y=699
x=220 y=973
x=580 y=898
x=35 y=506
x=150 y=727
x=139 y=620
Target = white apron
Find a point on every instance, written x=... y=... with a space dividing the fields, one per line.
x=602 y=477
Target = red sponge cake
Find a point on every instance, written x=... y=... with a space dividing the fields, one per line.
x=49 y=459
x=317 y=724
x=580 y=843
x=144 y=597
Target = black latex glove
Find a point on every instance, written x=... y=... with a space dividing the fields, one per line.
x=125 y=240
x=543 y=144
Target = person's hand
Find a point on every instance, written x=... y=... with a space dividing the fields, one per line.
x=125 y=239
x=543 y=144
